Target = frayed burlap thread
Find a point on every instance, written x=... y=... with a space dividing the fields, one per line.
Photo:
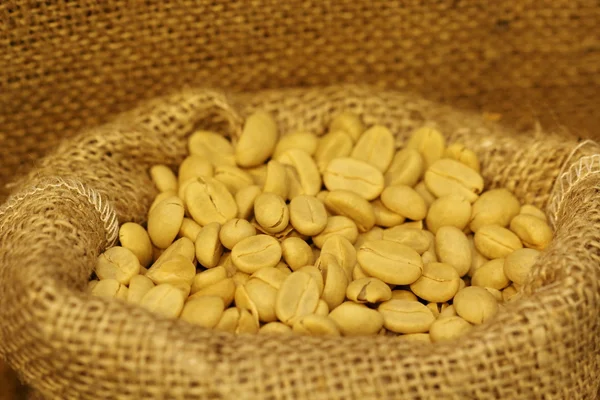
x=69 y=345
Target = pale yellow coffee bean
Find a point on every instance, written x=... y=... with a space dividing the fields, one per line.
x=353 y=206
x=496 y=206
x=164 y=178
x=208 y=278
x=355 y=319
x=460 y=153
x=189 y=229
x=354 y=175
x=122 y=293
x=234 y=231
x=106 y=288
x=225 y=289
x=243 y=301
x=181 y=192
x=475 y=305
x=175 y=270
x=134 y=237
x=208 y=246
x=308 y=215
x=257 y=140
x=429 y=142
x=416 y=337
x=417 y=239
x=337 y=225
x=297 y=140
x=203 y=311
x=358 y=272
x=348 y=122
x=272 y=276
x=435 y=309
x=240 y=278
x=528 y=209
x=509 y=294
x=518 y=264
x=211 y=146
x=235 y=320
x=165 y=300
x=448 y=311
x=256 y=252
x=375 y=146
x=296 y=253
x=275 y=328
x=368 y=290
x=182 y=246
x=376 y=233
x=495 y=292
x=491 y=275
x=384 y=216
x=448 y=176
x=258 y=174
x=333 y=145
x=283 y=268
x=407 y=168
x=413 y=225
x=271 y=212
x=322 y=308
x=294 y=185
x=317 y=275
x=439 y=283
x=306 y=168
x=322 y=195
x=425 y=194
x=276 y=180
x=262 y=294
x=298 y=296
x=405 y=316
x=209 y=200
x=164 y=221
x=429 y=256
x=452 y=247
x=534 y=232
x=316 y=325
x=494 y=241
x=335 y=280
x=244 y=199
x=344 y=252
x=450 y=210
x=160 y=197
x=448 y=328
x=405 y=201
x=117 y=263
x=430 y=253
x=390 y=262
x=194 y=166
x=477 y=259
x=400 y=294
x=233 y=178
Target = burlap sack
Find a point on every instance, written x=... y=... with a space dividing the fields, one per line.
x=67 y=344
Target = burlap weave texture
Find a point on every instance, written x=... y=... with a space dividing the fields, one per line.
x=67 y=344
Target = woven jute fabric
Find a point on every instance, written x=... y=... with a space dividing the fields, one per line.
x=70 y=345
x=68 y=65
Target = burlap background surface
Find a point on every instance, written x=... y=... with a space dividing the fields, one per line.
x=68 y=66
x=70 y=345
